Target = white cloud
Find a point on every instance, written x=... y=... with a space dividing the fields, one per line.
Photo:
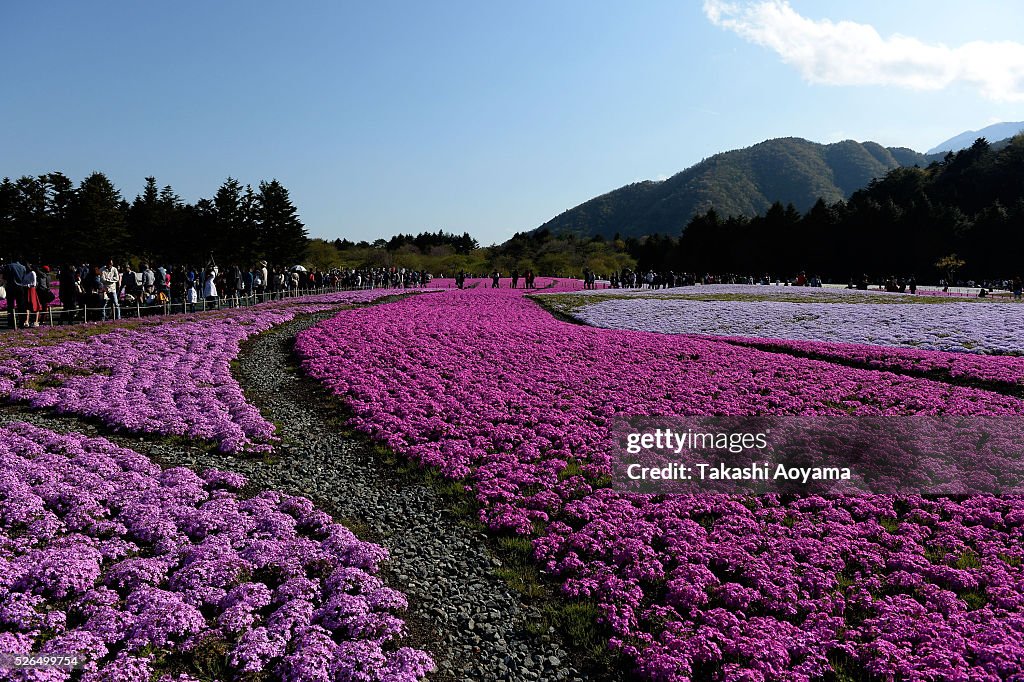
x=848 y=53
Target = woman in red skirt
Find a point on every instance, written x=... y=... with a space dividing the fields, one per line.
x=32 y=296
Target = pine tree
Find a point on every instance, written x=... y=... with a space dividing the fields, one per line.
x=227 y=202
x=249 y=231
x=170 y=216
x=198 y=224
x=30 y=216
x=283 y=236
x=60 y=199
x=99 y=221
x=8 y=226
x=143 y=220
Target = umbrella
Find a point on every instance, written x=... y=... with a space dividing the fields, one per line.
x=298 y=268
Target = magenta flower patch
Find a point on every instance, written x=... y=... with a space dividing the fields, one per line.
x=169 y=375
x=105 y=555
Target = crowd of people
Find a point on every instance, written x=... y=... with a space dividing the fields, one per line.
x=892 y=284
x=635 y=279
x=529 y=279
x=101 y=292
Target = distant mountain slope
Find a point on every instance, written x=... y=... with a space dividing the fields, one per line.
x=738 y=182
x=992 y=133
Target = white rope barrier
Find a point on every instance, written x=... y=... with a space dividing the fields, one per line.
x=59 y=315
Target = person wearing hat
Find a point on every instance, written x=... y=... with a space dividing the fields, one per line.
x=261 y=279
x=46 y=295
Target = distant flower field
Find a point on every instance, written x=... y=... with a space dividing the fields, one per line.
x=806 y=314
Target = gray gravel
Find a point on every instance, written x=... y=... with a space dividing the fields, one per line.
x=467 y=617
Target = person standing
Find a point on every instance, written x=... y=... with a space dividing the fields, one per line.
x=148 y=279
x=132 y=283
x=191 y=295
x=263 y=275
x=163 y=279
x=111 y=283
x=32 y=303
x=14 y=276
x=93 y=288
x=69 y=291
x=46 y=296
x=210 y=287
x=248 y=283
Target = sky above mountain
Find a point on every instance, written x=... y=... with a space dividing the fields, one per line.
x=491 y=118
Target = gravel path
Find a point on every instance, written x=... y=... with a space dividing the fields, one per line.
x=468 y=618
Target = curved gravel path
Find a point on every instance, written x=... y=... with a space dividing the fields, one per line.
x=472 y=623
x=458 y=609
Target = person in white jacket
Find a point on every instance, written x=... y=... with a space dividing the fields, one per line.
x=210 y=286
x=111 y=279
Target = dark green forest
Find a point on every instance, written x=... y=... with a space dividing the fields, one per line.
x=48 y=219
x=969 y=205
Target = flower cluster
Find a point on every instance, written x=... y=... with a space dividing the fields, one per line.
x=488 y=387
x=169 y=375
x=999 y=372
x=105 y=555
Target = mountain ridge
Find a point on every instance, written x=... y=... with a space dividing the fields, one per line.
x=737 y=182
x=992 y=133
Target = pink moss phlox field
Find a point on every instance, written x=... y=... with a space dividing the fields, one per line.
x=105 y=555
x=490 y=388
x=1001 y=371
x=168 y=375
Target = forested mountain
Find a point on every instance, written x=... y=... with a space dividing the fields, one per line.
x=965 y=211
x=739 y=182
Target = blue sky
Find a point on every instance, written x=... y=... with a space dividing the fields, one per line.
x=385 y=117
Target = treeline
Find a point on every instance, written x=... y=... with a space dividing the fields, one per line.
x=966 y=210
x=47 y=219
x=446 y=253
